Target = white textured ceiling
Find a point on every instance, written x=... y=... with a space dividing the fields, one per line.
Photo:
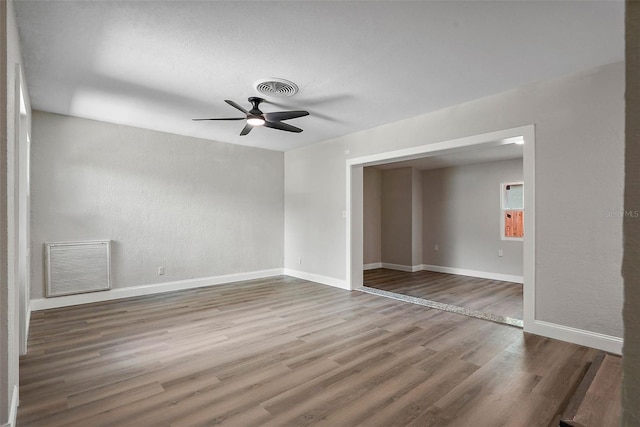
x=359 y=64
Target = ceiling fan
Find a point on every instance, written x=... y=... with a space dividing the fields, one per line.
x=255 y=117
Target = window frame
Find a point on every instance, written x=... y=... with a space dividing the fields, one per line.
x=503 y=186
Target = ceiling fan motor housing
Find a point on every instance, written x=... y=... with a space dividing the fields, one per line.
x=255 y=103
x=255 y=116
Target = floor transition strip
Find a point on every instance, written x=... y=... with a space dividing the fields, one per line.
x=445 y=307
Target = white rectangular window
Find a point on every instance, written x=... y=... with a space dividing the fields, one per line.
x=512 y=210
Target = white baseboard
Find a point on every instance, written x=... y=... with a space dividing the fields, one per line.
x=449 y=270
x=325 y=280
x=602 y=342
x=156 y=288
x=474 y=273
x=13 y=409
x=23 y=350
x=28 y=318
x=400 y=267
x=372 y=266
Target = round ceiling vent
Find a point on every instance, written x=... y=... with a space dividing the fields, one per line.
x=276 y=87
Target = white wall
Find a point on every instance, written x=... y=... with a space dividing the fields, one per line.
x=579 y=146
x=13 y=225
x=199 y=208
x=372 y=188
x=461 y=213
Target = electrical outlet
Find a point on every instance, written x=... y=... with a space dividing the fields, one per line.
x=299 y=260
x=161 y=271
x=500 y=253
x=436 y=248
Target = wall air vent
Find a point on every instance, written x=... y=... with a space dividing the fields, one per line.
x=77 y=267
x=276 y=87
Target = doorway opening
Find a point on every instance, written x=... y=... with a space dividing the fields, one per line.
x=416 y=260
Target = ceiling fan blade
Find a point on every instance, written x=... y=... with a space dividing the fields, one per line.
x=282 y=126
x=228 y=118
x=246 y=129
x=284 y=115
x=236 y=106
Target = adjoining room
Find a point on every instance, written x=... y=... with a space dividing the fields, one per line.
x=448 y=229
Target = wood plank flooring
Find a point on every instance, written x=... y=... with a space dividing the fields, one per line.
x=489 y=296
x=601 y=404
x=286 y=352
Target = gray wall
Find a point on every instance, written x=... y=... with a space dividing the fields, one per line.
x=631 y=266
x=461 y=213
x=395 y=213
x=457 y=208
x=579 y=125
x=372 y=226
x=199 y=208
x=416 y=217
x=397 y=216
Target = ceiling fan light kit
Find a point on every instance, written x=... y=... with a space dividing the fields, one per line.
x=255 y=117
x=255 y=121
